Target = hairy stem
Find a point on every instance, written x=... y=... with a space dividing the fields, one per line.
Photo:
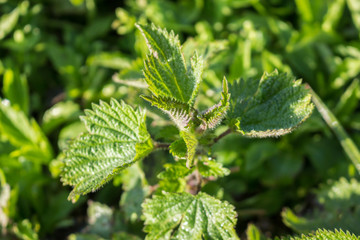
x=346 y=142
x=227 y=132
x=159 y=145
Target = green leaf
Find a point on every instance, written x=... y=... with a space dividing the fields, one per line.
x=9 y=21
x=181 y=113
x=171 y=186
x=214 y=115
x=253 y=233
x=191 y=144
x=100 y=218
x=185 y=216
x=165 y=69
x=113 y=60
x=322 y=234
x=116 y=138
x=333 y=15
x=208 y=168
x=4 y=201
x=24 y=134
x=15 y=88
x=15 y=125
x=178 y=149
x=340 y=209
x=25 y=230
x=175 y=170
x=135 y=190
x=272 y=106
x=58 y=114
x=354 y=8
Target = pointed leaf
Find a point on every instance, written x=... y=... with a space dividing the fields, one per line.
x=213 y=116
x=116 y=138
x=165 y=69
x=178 y=149
x=191 y=144
x=273 y=106
x=185 y=216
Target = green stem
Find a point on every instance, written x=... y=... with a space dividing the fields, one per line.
x=346 y=142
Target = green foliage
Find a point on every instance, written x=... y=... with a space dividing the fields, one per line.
x=59 y=57
x=117 y=138
x=24 y=134
x=339 y=209
x=15 y=89
x=175 y=170
x=182 y=216
x=24 y=230
x=165 y=69
x=271 y=106
x=327 y=235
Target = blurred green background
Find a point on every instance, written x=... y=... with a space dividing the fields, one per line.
x=59 y=56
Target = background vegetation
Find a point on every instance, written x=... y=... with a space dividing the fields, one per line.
x=59 y=56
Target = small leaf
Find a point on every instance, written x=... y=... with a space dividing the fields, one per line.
x=271 y=107
x=165 y=69
x=191 y=144
x=178 y=149
x=116 y=138
x=181 y=113
x=214 y=115
x=175 y=170
x=253 y=233
x=171 y=186
x=15 y=89
x=185 y=216
x=209 y=168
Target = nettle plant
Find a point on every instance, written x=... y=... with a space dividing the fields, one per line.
x=117 y=137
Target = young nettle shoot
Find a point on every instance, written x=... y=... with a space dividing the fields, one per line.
x=117 y=137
